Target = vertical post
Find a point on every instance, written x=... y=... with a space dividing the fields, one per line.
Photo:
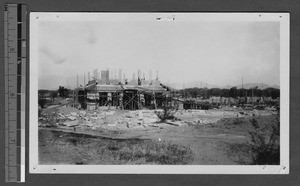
x=242 y=82
x=84 y=80
x=96 y=96
x=262 y=90
x=154 y=101
x=243 y=88
x=74 y=99
x=139 y=99
x=206 y=91
x=228 y=92
x=252 y=95
x=228 y=96
x=77 y=82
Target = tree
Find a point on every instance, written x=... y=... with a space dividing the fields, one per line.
x=233 y=92
x=42 y=102
x=63 y=92
x=54 y=94
x=170 y=108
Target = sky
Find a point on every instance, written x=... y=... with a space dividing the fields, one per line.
x=219 y=53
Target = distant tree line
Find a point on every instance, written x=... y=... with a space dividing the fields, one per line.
x=63 y=92
x=44 y=95
x=233 y=92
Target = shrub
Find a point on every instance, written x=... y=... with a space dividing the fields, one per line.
x=265 y=139
x=42 y=102
x=169 y=110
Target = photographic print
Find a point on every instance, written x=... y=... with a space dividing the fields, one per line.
x=185 y=93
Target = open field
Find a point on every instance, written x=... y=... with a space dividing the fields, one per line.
x=72 y=148
x=113 y=136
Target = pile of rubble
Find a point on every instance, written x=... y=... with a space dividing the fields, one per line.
x=103 y=117
x=148 y=116
x=112 y=118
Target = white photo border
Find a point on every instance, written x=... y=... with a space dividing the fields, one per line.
x=283 y=168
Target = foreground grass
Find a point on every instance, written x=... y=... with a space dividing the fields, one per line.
x=69 y=148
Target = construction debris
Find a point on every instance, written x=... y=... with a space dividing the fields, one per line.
x=72 y=118
x=172 y=123
x=71 y=123
x=111 y=118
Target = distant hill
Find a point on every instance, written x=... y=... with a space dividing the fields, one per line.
x=259 y=85
x=198 y=84
x=193 y=84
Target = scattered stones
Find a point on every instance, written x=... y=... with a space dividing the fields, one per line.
x=88 y=123
x=95 y=127
x=94 y=118
x=172 y=123
x=189 y=123
x=72 y=118
x=82 y=113
x=128 y=116
x=110 y=113
x=110 y=117
x=175 y=123
x=73 y=113
x=71 y=123
x=150 y=120
x=140 y=115
x=42 y=119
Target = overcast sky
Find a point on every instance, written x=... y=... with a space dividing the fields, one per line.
x=219 y=53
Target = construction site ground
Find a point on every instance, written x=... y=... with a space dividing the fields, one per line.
x=210 y=134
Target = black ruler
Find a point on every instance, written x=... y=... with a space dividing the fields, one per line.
x=15 y=88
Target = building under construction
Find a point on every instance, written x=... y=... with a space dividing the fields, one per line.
x=133 y=95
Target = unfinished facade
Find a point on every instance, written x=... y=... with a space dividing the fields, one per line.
x=132 y=96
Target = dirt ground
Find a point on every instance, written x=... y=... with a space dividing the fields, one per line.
x=215 y=137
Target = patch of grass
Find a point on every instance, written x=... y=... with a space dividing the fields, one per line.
x=70 y=148
x=158 y=153
x=239 y=152
x=234 y=121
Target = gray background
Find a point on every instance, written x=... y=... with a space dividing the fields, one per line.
x=171 y=6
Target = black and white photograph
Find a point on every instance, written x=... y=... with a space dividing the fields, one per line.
x=176 y=93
